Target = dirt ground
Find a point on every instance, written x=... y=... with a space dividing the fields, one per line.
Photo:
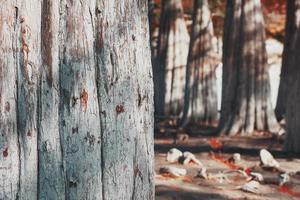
x=191 y=187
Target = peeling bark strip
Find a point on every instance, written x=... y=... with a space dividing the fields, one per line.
x=200 y=102
x=246 y=103
x=75 y=77
x=170 y=64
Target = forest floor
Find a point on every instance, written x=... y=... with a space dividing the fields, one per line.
x=191 y=187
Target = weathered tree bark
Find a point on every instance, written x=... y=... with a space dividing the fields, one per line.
x=292 y=24
x=246 y=103
x=200 y=102
x=75 y=77
x=291 y=75
x=170 y=67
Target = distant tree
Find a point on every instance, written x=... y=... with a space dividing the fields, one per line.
x=76 y=100
x=246 y=103
x=151 y=5
x=170 y=66
x=292 y=74
x=292 y=25
x=200 y=103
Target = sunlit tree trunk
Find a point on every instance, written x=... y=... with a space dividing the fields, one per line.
x=246 y=102
x=75 y=77
x=292 y=24
x=169 y=72
x=292 y=74
x=200 y=103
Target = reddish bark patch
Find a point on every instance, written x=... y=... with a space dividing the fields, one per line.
x=47 y=41
x=7 y=107
x=24 y=49
x=5 y=152
x=120 y=109
x=84 y=97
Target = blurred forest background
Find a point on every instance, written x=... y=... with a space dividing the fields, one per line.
x=226 y=90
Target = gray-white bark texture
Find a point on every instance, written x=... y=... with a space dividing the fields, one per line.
x=200 y=102
x=292 y=74
x=170 y=64
x=291 y=26
x=246 y=103
x=76 y=100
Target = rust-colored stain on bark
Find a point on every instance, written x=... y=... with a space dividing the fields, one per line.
x=29 y=133
x=25 y=51
x=5 y=152
x=84 y=97
x=120 y=109
x=47 y=41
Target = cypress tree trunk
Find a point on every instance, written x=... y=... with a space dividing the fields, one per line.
x=151 y=4
x=292 y=142
x=246 y=102
x=292 y=74
x=200 y=103
x=74 y=78
x=169 y=72
x=292 y=24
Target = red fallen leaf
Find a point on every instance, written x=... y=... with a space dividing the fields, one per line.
x=248 y=171
x=215 y=144
x=222 y=160
x=286 y=190
x=167 y=176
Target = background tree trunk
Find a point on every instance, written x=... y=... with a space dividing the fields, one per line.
x=153 y=45
x=169 y=72
x=74 y=78
x=292 y=24
x=292 y=74
x=246 y=103
x=200 y=103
